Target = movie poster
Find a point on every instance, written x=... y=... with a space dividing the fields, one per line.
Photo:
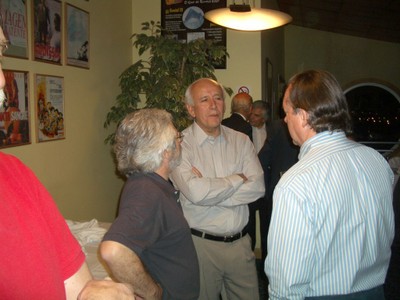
x=47 y=21
x=13 y=22
x=14 y=110
x=185 y=20
x=49 y=102
x=78 y=37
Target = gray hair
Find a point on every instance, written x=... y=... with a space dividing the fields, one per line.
x=188 y=94
x=141 y=139
x=263 y=105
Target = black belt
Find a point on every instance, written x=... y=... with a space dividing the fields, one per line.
x=218 y=238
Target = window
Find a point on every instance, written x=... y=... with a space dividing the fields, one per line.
x=375 y=110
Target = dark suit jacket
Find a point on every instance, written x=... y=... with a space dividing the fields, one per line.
x=236 y=122
x=277 y=155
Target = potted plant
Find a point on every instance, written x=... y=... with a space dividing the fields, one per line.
x=161 y=79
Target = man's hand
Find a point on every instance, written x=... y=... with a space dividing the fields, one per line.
x=243 y=177
x=106 y=290
x=197 y=172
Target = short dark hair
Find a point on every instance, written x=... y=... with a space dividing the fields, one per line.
x=320 y=95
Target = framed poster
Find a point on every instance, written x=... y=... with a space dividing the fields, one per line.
x=13 y=20
x=47 y=20
x=49 y=103
x=14 y=110
x=77 y=36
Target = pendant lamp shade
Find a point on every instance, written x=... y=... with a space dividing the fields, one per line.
x=243 y=17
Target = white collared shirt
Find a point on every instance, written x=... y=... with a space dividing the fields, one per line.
x=259 y=137
x=217 y=202
x=332 y=221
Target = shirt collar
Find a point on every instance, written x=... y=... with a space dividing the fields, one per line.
x=320 y=139
x=240 y=115
x=201 y=137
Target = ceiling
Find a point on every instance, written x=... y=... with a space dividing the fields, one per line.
x=372 y=19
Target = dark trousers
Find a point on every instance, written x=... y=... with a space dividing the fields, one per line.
x=264 y=207
x=251 y=225
x=372 y=294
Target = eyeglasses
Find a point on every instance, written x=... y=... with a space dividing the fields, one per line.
x=180 y=136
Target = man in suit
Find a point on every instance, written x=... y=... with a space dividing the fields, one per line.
x=241 y=107
x=258 y=121
x=276 y=157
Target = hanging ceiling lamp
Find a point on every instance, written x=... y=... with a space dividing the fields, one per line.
x=243 y=17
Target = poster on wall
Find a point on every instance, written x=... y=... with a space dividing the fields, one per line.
x=13 y=22
x=47 y=20
x=49 y=102
x=185 y=20
x=14 y=110
x=77 y=36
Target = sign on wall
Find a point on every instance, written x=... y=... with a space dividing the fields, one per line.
x=185 y=20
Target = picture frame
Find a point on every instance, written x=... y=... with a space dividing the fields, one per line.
x=14 y=110
x=13 y=20
x=49 y=104
x=47 y=31
x=77 y=37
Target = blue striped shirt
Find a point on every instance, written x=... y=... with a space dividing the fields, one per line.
x=332 y=221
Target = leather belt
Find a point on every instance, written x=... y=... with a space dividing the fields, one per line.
x=218 y=238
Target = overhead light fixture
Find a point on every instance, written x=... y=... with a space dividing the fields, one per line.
x=243 y=17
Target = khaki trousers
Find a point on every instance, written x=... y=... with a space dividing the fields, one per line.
x=228 y=267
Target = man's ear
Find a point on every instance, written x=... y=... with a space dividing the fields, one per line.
x=304 y=117
x=166 y=154
x=190 y=109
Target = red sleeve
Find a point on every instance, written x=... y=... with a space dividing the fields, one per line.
x=37 y=245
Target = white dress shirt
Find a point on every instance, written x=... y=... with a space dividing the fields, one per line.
x=259 y=137
x=332 y=221
x=217 y=202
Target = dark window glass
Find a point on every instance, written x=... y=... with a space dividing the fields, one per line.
x=376 y=116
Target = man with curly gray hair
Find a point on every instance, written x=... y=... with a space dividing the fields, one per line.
x=149 y=245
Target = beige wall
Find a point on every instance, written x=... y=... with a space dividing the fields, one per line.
x=348 y=58
x=79 y=171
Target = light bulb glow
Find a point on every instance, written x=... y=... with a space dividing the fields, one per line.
x=256 y=19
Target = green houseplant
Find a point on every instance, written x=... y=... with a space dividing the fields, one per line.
x=160 y=80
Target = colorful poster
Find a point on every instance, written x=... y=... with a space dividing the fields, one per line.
x=14 y=110
x=49 y=108
x=47 y=21
x=13 y=22
x=185 y=20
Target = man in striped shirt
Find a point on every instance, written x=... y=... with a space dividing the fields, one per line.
x=332 y=221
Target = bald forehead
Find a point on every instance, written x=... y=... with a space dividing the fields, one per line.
x=205 y=82
x=206 y=85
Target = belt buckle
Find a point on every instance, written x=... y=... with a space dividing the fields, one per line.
x=228 y=239
x=231 y=238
